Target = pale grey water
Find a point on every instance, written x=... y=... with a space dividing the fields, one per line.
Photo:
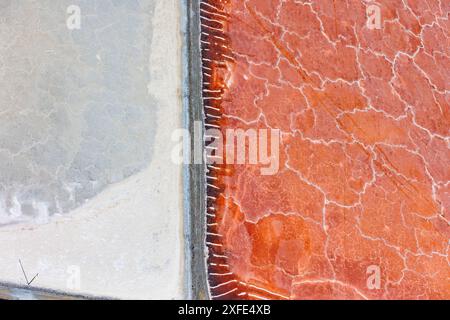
x=75 y=112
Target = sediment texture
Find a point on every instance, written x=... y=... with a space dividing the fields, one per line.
x=75 y=111
x=363 y=184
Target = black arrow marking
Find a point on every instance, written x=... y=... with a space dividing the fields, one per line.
x=25 y=275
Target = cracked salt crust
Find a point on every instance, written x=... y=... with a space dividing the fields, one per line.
x=364 y=176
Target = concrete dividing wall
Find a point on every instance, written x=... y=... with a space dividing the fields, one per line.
x=89 y=197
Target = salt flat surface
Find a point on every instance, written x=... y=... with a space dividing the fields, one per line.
x=89 y=198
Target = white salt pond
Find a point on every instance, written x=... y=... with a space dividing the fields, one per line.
x=89 y=197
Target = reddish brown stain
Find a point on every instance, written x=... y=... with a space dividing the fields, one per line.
x=363 y=178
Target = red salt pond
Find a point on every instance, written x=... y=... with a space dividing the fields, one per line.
x=359 y=208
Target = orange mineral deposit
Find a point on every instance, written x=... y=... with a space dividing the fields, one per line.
x=359 y=205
